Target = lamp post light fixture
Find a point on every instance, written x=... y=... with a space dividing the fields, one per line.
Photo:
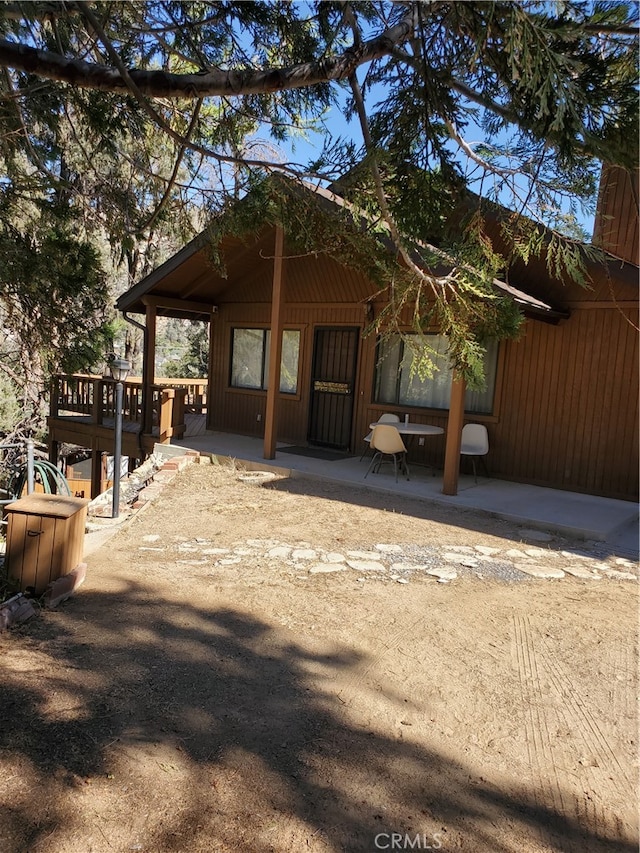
x=118 y=368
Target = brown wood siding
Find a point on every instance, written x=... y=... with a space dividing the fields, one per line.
x=568 y=413
x=235 y=410
x=308 y=279
x=616 y=224
x=566 y=399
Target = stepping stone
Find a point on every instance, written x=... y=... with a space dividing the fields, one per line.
x=230 y=561
x=304 y=554
x=151 y=537
x=401 y=580
x=539 y=571
x=461 y=560
x=619 y=576
x=325 y=568
x=280 y=552
x=389 y=549
x=515 y=554
x=622 y=561
x=365 y=565
x=581 y=572
x=215 y=550
x=363 y=555
x=333 y=557
x=537 y=552
x=486 y=550
x=443 y=574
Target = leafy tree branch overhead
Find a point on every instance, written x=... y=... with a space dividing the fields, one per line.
x=131 y=119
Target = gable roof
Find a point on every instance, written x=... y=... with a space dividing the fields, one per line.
x=190 y=282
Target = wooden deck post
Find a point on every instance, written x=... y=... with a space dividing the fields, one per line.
x=148 y=368
x=275 y=352
x=97 y=472
x=165 y=415
x=177 y=414
x=454 y=436
x=96 y=408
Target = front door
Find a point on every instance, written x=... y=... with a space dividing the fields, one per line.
x=332 y=387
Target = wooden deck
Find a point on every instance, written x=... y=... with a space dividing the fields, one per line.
x=83 y=413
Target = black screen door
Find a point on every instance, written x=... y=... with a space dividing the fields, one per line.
x=332 y=387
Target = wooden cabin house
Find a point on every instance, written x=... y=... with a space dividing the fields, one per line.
x=561 y=403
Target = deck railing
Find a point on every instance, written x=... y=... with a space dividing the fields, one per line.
x=196 y=392
x=93 y=399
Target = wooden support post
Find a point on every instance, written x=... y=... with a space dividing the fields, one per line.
x=210 y=380
x=165 y=415
x=54 y=447
x=178 y=425
x=275 y=352
x=149 y=369
x=97 y=467
x=454 y=436
x=96 y=407
x=54 y=396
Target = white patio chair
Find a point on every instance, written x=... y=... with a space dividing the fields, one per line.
x=386 y=418
x=387 y=441
x=475 y=444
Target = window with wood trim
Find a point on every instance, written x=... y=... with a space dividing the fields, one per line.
x=250 y=359
x=398 y=383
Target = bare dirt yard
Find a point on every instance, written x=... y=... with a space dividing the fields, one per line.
x=297 y=666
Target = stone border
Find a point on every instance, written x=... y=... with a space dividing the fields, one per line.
x=16 y=610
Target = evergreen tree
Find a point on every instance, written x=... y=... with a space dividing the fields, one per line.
x=550 y=90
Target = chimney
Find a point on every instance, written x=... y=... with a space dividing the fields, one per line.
x=616 y=222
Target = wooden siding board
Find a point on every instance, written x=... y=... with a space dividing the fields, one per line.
x=583 y=358
x=546 y=382
x=607 y=461
x=624 y=398
x=557 y=414
x=539 y=431
x=602 y=422
x=596 y=432
x=528 y=445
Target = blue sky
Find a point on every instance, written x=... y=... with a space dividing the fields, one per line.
x=336 y=124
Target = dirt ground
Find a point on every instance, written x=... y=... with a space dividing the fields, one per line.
x=214 y=687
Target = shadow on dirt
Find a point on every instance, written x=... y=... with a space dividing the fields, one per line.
x=410 y=506
x=234 y=700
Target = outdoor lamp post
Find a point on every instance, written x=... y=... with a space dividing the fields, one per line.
x=119 y=368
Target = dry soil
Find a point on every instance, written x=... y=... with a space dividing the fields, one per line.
x=212 y=688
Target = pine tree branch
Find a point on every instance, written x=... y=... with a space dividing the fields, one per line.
x=162 y=84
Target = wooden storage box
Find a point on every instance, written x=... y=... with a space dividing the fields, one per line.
x=45 y=538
